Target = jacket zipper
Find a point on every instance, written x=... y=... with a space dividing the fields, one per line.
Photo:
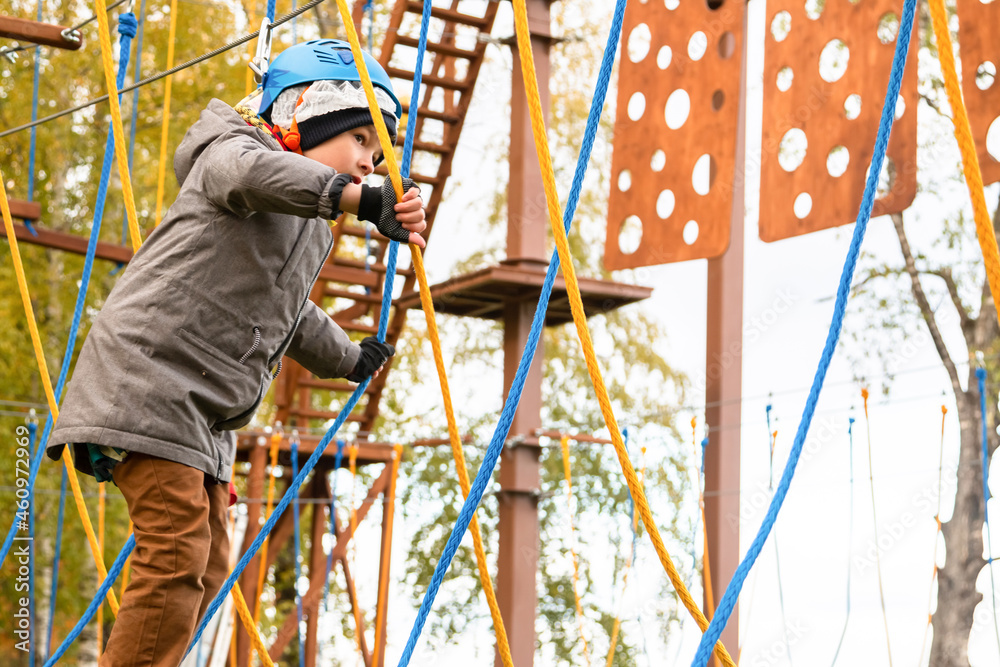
x=298 y=317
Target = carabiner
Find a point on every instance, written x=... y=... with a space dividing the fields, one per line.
x=262 y=58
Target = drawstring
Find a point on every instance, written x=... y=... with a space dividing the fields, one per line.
x=253 y=348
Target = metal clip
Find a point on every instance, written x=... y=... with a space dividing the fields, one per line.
x=129 y=7
x=262 y=59
x=71 y=35
x=8 y=53
x=33 y=417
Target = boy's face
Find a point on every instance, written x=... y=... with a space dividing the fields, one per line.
x=353 y=152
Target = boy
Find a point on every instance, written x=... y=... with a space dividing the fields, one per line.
x=192 y=335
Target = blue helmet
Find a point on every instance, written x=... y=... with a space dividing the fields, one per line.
x=318 y=60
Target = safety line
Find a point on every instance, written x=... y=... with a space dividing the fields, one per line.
x=104 y=590
x=425 y=296
x=580 y=318
x=878 y=560
x=937 y=535
x=161 y=165
x=454 y=439
x=772 y=436
x=850 y=535
x=568 y=476
x=496 y=445
x=55 y=564
x=981 y=378
x=970 y=159
x=276 y=437
x=116 y=114
x=383 y=580
x=33 y=139
x=293 y=444
x=156 y=77
x=728 y=602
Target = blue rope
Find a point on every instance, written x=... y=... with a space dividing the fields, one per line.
x=126 y=29
x=271 y=4
x=55 y=562
x=102 y=592
x=411 y=128
x=514 y=394
x=728 y=602
x=133 y=126
x=34 y=130
x=369 y=10
x=32 y=433
x=981 y=377
x=298 y=553
x=850 y=538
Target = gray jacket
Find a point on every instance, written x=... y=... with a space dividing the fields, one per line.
x=185 y=347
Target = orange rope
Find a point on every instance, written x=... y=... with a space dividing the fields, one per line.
x=937 y=535
x=383 y=580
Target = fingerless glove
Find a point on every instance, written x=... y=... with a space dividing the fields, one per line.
x=376 y=205
x=373 y=355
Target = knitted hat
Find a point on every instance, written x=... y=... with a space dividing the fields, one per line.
x=324 y=109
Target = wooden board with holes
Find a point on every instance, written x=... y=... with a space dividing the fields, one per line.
x=826 y=69
x=675 y=132
x=978 y=25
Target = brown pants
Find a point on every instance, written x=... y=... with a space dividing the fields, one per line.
x=180 y=560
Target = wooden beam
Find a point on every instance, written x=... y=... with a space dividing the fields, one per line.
x=69 y=242
x=45 y=34
x=30 y=210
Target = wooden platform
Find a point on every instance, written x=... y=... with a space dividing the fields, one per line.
x=484 y=293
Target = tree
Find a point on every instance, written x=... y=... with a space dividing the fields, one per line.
x=902 y=293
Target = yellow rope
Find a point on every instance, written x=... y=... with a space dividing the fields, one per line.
x=383 y=581
x=43 y=368
x=970 y=160
x=706 y=572
x=262 y=569
x=503 y=645
x=564 y=446
x=244 y=613
x=101 y=502
x=580 y=319
x=128 y=561
x=161 y=174
x=101 y=12
x=628 y=566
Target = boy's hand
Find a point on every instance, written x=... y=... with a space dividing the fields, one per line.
x=373 y=356
x=400 y=221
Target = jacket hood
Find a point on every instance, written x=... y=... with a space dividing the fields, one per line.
x=216 y=120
